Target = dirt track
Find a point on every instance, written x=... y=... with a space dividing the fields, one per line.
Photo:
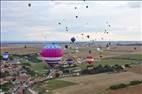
x=94 y=84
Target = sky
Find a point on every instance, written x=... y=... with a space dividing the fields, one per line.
x=19 y=22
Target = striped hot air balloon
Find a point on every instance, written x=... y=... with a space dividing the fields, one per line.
x=90 y=59
x=52 y=54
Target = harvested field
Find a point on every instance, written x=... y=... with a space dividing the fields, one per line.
x=95 y=84
x=136 y=69
x=129 y=90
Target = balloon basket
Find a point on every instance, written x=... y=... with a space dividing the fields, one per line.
x=90 y=67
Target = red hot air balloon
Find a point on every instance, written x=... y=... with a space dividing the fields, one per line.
x=90 y=59
x=52 y=54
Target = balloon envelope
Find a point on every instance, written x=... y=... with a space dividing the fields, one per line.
x=5 y=55
x=69 y=61
x=66 y=46
x=90 y=59
x=73 y=39
x=52 y=53
x=29 y=4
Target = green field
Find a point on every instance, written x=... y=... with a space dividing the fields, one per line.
x=51 y=85
x=39 y=67
x=120 y=60
x=55 y=84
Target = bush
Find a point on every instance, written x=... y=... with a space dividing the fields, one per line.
x=135 y=82
x=4 y=74
x=117 y=67
x=127 y=65
x=6 y=86
x=118 y=86
x=11 y=57
x=1 y=57
x=26 y=64
x=29 y=71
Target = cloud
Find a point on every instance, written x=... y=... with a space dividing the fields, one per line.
x=134 y=4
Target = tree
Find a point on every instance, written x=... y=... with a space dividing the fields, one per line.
x=11 y=57
x=4 y=74
x=0 y=57
x=25 y=46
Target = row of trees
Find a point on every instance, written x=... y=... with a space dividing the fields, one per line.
x=102 y=69
x=122 y=85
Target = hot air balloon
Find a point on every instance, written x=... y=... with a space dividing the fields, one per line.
x=75 y=7
x=100 y=52
x=88 y=36
x=29 y=4
x=76 y=50
x=107 y=46
x=90 y=59
x=66 y=28
x=73 y=39
x=135 y=48
x=66 y=46
x=90 y=51
x=76 y=17
x=59 y=23
x=79 y=61
x=86 y=6
x=109 y=43
x=5 y=56
x=69 y=61
x=52 y=54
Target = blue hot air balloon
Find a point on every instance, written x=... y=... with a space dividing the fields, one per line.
x=5 y=56
x=73 y=39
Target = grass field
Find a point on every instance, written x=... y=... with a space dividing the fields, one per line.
x=39 y=67
x=51 y=85
x=97 y=84
x=120 y=60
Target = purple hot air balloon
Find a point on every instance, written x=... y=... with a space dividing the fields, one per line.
x=5 y=56
x=73 y=39
x=52 y=54
x=69 y=61
x=66 y=46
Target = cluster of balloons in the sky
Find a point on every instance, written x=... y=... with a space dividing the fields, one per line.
x=53 y=53
x=106 y=31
